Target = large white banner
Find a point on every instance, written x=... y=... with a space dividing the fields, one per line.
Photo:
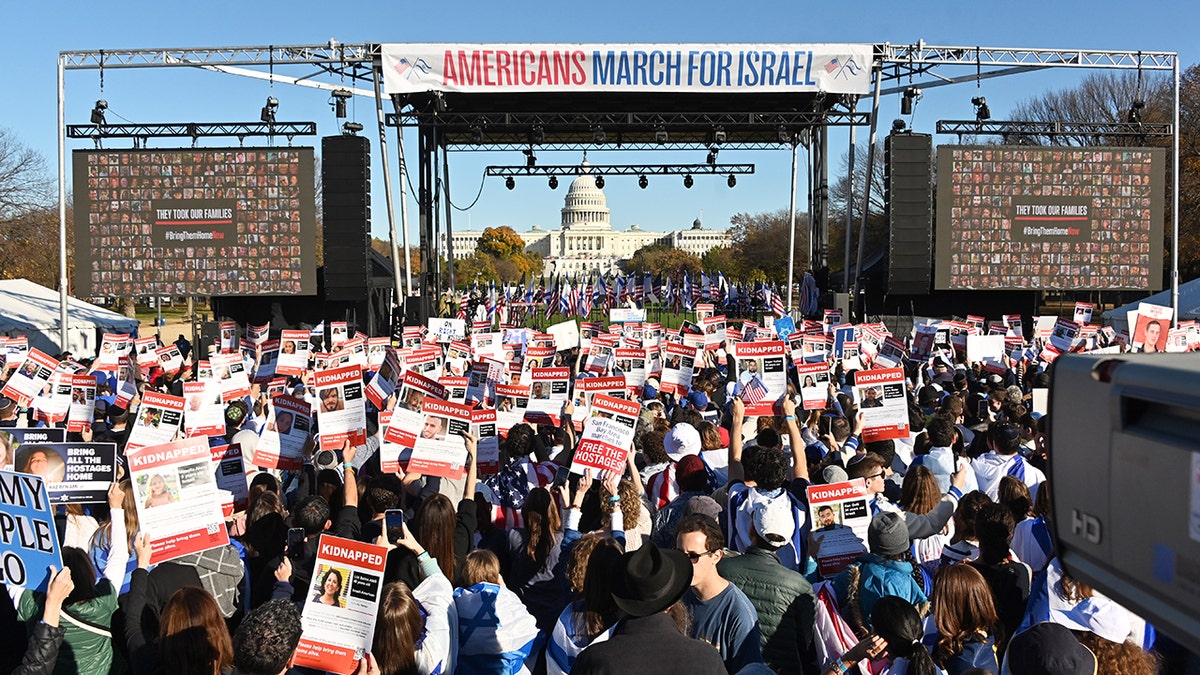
x=623 y=68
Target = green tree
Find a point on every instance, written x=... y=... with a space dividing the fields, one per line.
x=721 y=258
x=478 y=267
x=509 y=259
x=760 y=244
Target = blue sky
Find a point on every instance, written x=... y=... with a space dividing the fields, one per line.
x=38 y=32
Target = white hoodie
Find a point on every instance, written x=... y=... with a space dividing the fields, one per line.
x=991 y=467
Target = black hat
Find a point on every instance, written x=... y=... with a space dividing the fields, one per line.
x=1049 y=649
x=650 y=579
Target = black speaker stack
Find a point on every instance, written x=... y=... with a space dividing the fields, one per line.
x=908 y=205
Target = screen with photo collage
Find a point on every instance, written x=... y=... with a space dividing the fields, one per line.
x=201 y=221
x=1020 y=217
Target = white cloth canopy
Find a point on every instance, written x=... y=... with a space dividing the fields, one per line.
x=1189 y=305
x=32 y=310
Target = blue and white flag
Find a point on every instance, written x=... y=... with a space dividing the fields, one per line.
x=496 y=634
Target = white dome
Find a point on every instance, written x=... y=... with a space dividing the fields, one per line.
x=585 y=204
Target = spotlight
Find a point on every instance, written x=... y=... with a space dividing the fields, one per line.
x=688 y=182
x=538 y=135
x=530 y=159
x=553 y=182
x=911 y=96
x=268 y=111
x=660 y=135
x=98 y=112
x=731 y=181
x=642 y=182
x=897 y=126
x=340 y=96
x=1135 y=112
x=476 y=134
x=600 y=182
x=439 y=102
x=510 y=183
x=712 y=157
x=598 y=135
x=719 y=135
x=982 y=111
x=351 y=128
x=784 y=135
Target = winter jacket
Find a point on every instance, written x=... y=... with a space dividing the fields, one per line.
x=975 y=654
x=871 y=577
x=649 y=644
x=87 y=630
x=785 y=603
x=43 y=650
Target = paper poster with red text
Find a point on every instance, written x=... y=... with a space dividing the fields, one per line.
x=456 y=388
x=880 y=396
x=814 y=384
x=293 y=353
x=383 y=383
x=204 y=414
x=587 y=388
x=549 y=389
x=511 y=402
x=169 y=358
x=400 y=428
x=158 y=420
x=112 y=347
x=178 y=502
x=762 y=375
x=31 y=378
x=678 y=364
x=145 y=350
x=281 y=444
x=230 y=474
x=53 y=404
x=83 y=403
x=229 y=373
x=439 y=449
x=341 y=407
x=486 y=433
x=840 y=514
x=338 y=622
x=607 y=435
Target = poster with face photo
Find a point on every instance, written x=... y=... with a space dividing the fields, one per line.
x=31 y=378
x=230 y=474
x=281 y=443
x=762 y=375
x=678 y=365
x=293 y=353
x=714 y=332
x=52 y=405
x=258 y=334
x=75 y=473
x=631 y=364
x=112 y=347
x=229 y=374
x=177 y=498
x=439 y=449
x=607 y=435
x=341 y=407
x=377 y=349
x=83 y=403
x=268 y=361
x=485 y=429
x=549 y=390
x=511 y=402
x=170 y=359
x=814 y=384
x=1152 y=327
x=144 y=348
x=338 y=622
x=880 y=396
x=384 y=382
x=203 y=414
x=600 y=354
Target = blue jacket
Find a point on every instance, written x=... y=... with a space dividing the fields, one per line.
x=875 y=578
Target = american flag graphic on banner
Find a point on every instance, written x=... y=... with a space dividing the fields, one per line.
x=754 y=392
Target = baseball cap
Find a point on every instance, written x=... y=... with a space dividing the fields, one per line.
x=773 y=521
x=681 y=440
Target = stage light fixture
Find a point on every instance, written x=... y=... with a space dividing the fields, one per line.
x=660 y=135
x=439 y=102
x=1135 y=112
x=476 y=134
x=598 y=135
x=553 y=182
x=719 y=135
x=268 y=111
x=712 y=156
x=731 y=181
x=642 y=182
x=538 y=135
x=351 y=128
x=600 y=182
x=898 y=126
x=688 y=182
x=510 y=183
x=910 y=97
x=530 y=158
x=340 y=96
x=982 y=111
x=98 y=112
x=783 y=134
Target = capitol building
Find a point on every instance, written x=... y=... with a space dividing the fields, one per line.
x=586 y=242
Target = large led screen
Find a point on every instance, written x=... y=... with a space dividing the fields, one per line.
x=1055 y=218
x=211 y=221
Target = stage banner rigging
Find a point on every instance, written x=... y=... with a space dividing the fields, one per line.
x=624 y=68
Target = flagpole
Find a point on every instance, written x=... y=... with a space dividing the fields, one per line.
x=792 y=236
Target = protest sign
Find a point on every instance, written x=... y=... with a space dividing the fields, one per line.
x=426 y=361
x=127 y=377
x=487 y=449
x=169 y=358
x=13 y=438
x=177 y=498
x=53 y=403
x=28 y=539
x=229 y=339
x=880 y=395
x=458 y=358
x=144 y=349
x=384 y=382
x=981 y=347
x=607 y=435
x=439 y=449
x=456 y=388
x=112 y=347
x=338 y=622
x=814 y=384
x=549 y=390
x=204 y=415
x=257 y=334
x=267 y=363
x=1083 y=312
x=840 y=514
x=626 y=314
x=75 y=473
x=714 y=332
x=83 y=403
x=587 y=388
x=157 y=421
x=30 y=378
x=762 y=375
x=399 y=434
x=1063 y=334
x=293 y=353
x=678 y=364
x=446 y=330
x=1151 y=328
x=511 y=402
x=341 y=407
x=230 y=474
x=631 y=363
x=281 y=444
x=338 y=333
x=566 y=335
x=229 y=372
x=16 y=348
x=600 y=354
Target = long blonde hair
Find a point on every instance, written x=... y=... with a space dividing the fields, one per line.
x=103 y=536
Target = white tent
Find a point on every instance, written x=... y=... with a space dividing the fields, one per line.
x=1189 y=305
x=33 y=311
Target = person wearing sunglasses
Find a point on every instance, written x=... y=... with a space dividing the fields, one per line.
x=722 y=615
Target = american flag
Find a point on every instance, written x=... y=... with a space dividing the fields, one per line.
x=462 y=306
x=754 y=392
x=832 y=65
x=777 y=305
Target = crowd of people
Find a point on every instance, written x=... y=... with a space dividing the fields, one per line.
x=698 y=557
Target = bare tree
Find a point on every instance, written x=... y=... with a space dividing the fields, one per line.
x=839 y=194
x=25 y=183
x=1101 y=97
